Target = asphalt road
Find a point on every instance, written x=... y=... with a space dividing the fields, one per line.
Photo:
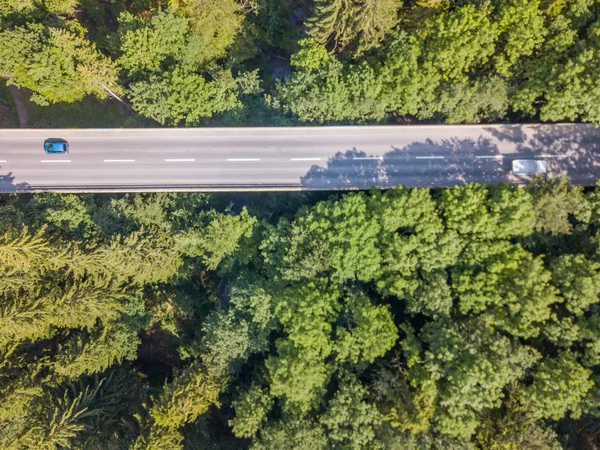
x=291 y=158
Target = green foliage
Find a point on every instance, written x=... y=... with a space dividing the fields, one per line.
x=96 y=352
x=301 y=392
x=188 y=396
x=350 y=421
x=502 y=211
x=295 y=432
x=307 y=313
x=578 y=280
x=457 y=41
x=522 y=31
x=352 y=61
x=361 y=25
x=66 y=213
x=56 y=64
x=222 y=237
x=513 y=292
x=471 y=366
x=470 y=101
x=216 y=25
x=251 y=411
x=555 y=200
x=370 y=331
x=406 y=318
x=515 y=429
x=433 y=297
x=335 y=92
x=573 y=89
x=147 y=48
x=402 y=406
x=162 y=58
x=559 y=385
x=182 y=96
x=20 y=252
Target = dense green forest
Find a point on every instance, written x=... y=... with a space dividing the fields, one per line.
x=463 y=318
x=285 y=62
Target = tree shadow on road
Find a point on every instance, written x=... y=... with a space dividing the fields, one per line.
x=577 y=144
x=448 y=162
x=464 y=161
x=350 y=169
x=7 y=184
x=359 y=170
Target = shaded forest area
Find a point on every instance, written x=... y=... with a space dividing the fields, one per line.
x=463 y=318
x=287 y=62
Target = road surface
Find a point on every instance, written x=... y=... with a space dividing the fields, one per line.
x=315 y=158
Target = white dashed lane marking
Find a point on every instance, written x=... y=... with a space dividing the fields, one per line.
x=490 y=157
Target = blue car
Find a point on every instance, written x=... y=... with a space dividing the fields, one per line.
x=56 y=146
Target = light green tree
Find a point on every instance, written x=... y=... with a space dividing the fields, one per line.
x=251 y=409
x=521 y=31
x=220 y=238
x=298 y=432
x=350 y=420
x=458 y=41
x=56 y=64
x=559 y=386
x=180 y=402
x=578 y=280
x=555 y=200
x=369 y=333
x=356 y=24
x=216 y=25
x=336 y=92
x=511 y=290
x=148 y=47
x=471 y=365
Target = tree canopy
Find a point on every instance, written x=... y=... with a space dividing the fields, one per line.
x=192 y=62
x=406 y=318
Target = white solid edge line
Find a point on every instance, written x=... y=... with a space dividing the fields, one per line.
x=243 y=159
x=55 y=160
x=118 y=160
x=430 y=157
x=490 y=157
x=359 y=158
x=306 y=159
x=181 y=160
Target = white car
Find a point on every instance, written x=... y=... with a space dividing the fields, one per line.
x=528 y=167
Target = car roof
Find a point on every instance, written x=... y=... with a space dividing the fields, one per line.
x=532 y=166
